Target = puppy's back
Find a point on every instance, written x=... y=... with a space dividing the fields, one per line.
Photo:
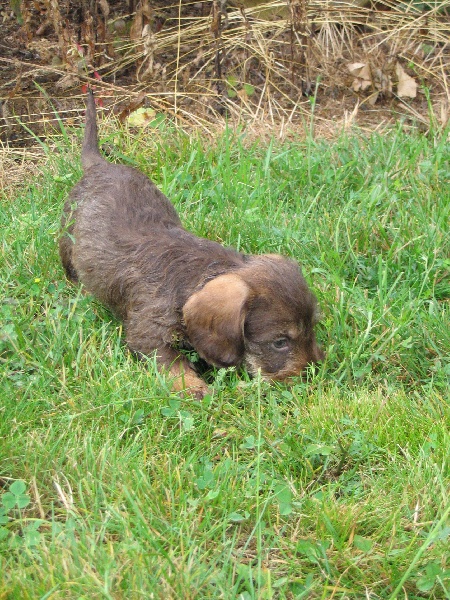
x=117 y=193
x=110 y=213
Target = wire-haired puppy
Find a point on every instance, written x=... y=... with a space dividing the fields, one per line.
x=124 y=241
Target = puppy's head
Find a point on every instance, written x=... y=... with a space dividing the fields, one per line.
x=262 y=316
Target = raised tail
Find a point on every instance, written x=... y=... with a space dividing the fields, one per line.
x=90 y=154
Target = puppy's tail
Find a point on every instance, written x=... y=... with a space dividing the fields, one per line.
x=90 y=154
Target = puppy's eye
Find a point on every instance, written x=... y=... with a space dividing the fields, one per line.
x=281 y=344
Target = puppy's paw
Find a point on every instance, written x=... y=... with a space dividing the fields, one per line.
x=198 y=392
x=189 y=385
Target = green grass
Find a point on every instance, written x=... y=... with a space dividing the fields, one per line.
x=333 y=488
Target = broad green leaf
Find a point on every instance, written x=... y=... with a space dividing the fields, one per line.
x=236 y=517
x=18 y=487
x=363 y=544
x=321 y=449
x=8 y=500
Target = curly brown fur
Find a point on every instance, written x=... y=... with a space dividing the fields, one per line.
x=124 y=241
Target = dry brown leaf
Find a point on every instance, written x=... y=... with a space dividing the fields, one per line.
x=363 y=76
x=355 y=68
x=406 y=86
x=67 y=81
x=242 y=95
x=105 y=7
x=131 y=107
x=143 y=16
x=372 y=99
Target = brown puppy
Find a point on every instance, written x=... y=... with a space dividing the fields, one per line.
x=124 y=241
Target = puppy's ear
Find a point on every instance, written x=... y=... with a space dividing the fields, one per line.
x=214 y=319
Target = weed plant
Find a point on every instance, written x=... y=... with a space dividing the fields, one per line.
x=335 y=487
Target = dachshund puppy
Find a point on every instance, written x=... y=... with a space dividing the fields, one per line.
x=124 y=241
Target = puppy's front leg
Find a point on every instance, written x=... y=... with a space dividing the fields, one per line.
x=176 y=366
x=184 y=378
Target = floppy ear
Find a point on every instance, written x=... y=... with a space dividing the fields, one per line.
x=214 y=319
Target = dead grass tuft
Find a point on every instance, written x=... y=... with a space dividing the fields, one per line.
x=17 y=167
x=276 y=64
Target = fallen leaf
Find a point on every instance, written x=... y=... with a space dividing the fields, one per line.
x=141 y=117
x=242 y=95
x=131 y=107
x=105 y=7
x=406 y=86
x=373 y=98
x=354 y=68
x=67 y=81
x=363 y=76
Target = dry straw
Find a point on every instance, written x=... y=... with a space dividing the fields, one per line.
x=249 y=62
